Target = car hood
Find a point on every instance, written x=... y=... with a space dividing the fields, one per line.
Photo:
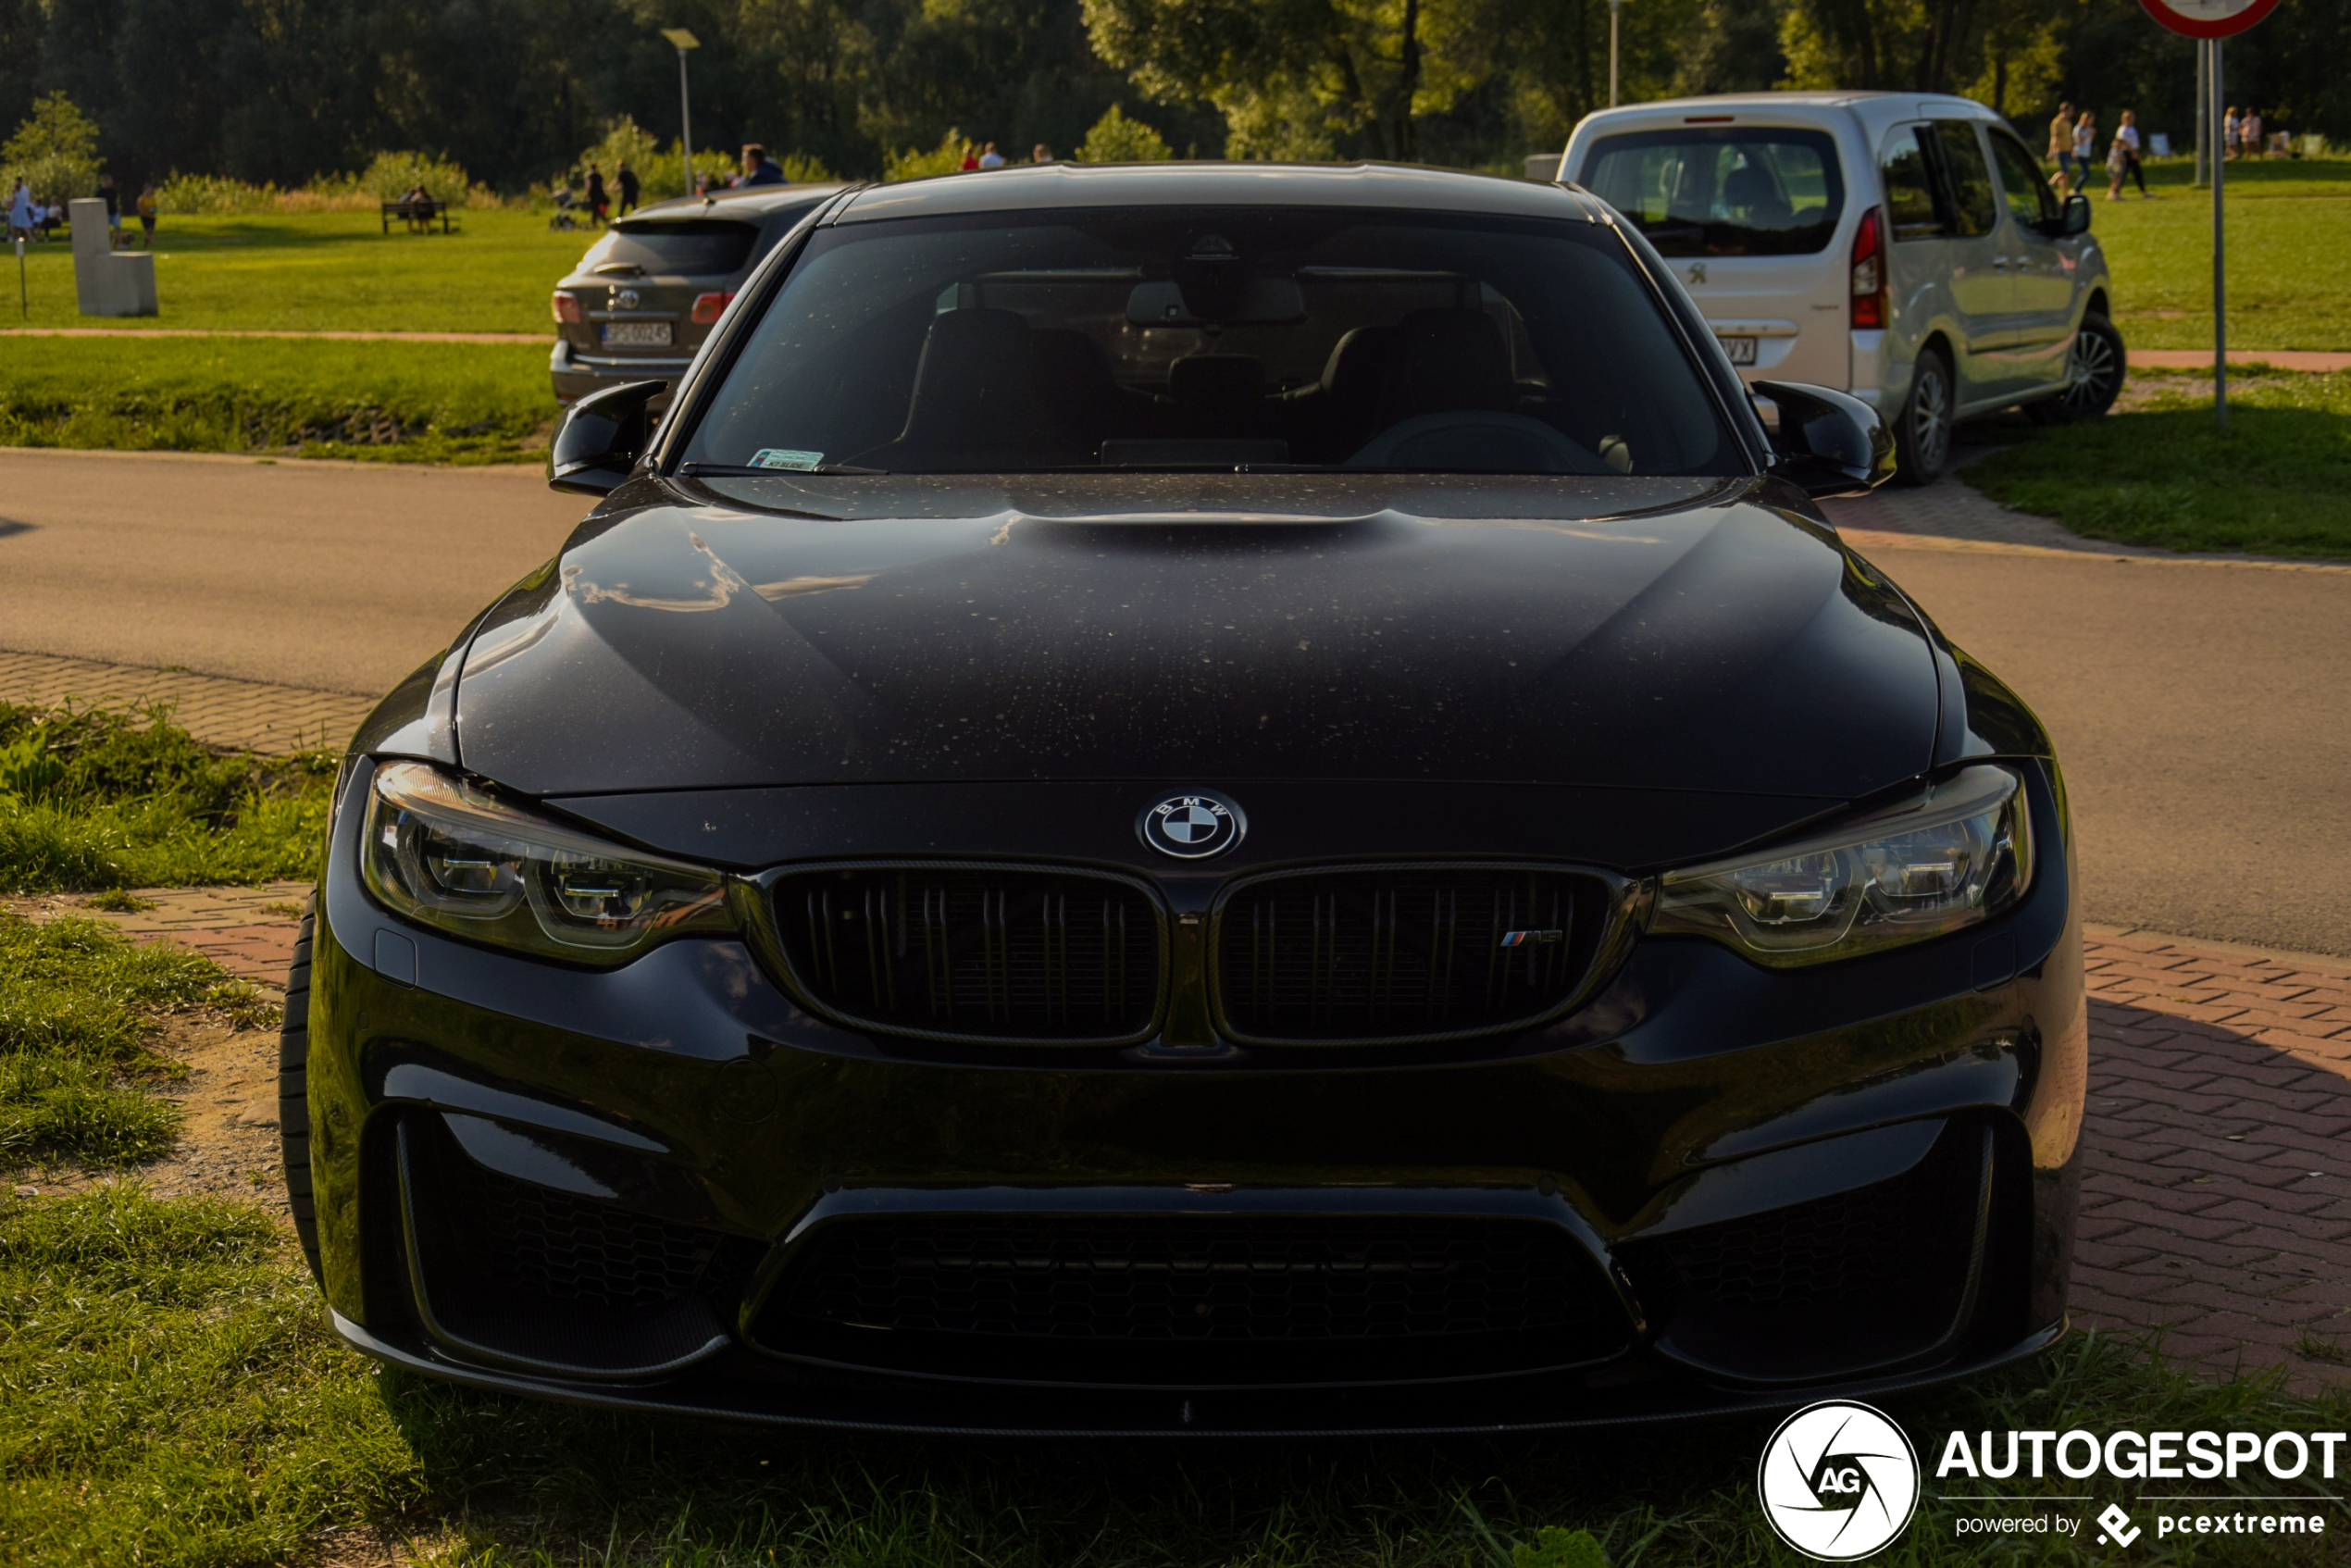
x=1691 y=634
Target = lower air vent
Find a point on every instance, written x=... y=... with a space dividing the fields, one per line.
x=1246 y=1298
x=1401 y=953
x=975 y=952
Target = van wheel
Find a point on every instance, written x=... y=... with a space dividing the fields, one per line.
x=1922 y=434
x=293 y=1100
x=2094 y=370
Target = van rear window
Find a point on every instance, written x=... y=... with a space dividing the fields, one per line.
x=694 y=247
x=1722 y=190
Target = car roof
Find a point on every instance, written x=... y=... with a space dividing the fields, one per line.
x=750 y=203
x=1857 y=100
x=1034 y=187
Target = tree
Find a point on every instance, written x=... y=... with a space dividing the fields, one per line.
x=1116 y=139
x=55 y=152
x=1298 y=79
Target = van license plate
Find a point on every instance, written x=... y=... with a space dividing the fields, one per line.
x=656 y=334
x=1741 y=350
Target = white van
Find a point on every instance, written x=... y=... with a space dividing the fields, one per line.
x=1905 y=247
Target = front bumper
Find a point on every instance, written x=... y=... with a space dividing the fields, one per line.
x=1771 y=1187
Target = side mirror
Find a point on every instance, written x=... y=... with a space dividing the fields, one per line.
x=601 y=438
x=1830 y=443
x=2076 y=219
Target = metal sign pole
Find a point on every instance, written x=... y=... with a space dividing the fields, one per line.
x=2203 y=105
x=2219 y=270
x=24 y=301
x=1615 y=19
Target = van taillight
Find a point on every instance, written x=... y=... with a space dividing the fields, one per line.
x=567 y=306
x=1869 y=271
x=709 y=307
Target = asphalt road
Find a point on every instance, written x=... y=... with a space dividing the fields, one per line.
x=2200 y=710
x=2203 y=717
x=339 y=576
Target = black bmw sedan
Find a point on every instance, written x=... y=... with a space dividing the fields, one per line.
x=1213 y=799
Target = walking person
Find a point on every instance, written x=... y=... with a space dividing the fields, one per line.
x=21 y=215
x=2230 y=123
x=989 y=157
x=2122 y=158
x=2062 y=145
x=2250 y=129
x=1040 y=153
x=108 y=195
x=2085 y=141
x=599 y=205
x=147 y=215
x=971 y=159
x=627 y=177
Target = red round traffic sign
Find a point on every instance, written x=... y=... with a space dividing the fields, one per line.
x=2209 y=18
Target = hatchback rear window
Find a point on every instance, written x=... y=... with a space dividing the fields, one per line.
x=1722 y=190
x=702 y=247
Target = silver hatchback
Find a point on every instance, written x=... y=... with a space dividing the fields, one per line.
x=1905 y=247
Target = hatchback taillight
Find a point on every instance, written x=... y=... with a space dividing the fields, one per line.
x=566 y=307
x=709 y=307
x=1869 y=271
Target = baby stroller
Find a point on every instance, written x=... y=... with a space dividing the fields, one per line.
x=566 y=206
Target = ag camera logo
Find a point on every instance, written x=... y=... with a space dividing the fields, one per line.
x=1838 y=1480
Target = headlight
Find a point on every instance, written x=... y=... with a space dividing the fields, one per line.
x=1960 y=851
x=449 y=857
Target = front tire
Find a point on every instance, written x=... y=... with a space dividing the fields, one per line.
x=294 y=1099
x=2094 y=371
x=1923 y=433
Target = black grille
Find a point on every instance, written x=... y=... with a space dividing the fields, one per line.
x=577 y=1248
x=976 y=952
x=1222 y=1278
x=1839 y=1249
x=1401 y=954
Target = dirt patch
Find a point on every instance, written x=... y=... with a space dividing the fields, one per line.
x=227 y=1144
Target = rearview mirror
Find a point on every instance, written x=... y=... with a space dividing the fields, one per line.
x=1258 y=301
x=1830 y=443
x=601 y=438
x=2076 y=219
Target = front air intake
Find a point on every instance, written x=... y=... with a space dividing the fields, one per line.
x=1395 y=954
x=975 y=952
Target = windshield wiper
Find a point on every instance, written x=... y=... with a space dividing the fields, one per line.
x=748 y=471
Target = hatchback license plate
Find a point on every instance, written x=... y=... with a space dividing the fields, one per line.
x=646 y=334
x=1741 y=350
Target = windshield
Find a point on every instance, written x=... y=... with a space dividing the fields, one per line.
x=1215 y=338
x=694 y=247
x=1728 y=191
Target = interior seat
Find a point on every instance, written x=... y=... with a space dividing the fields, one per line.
x=1445 y=362
x=1218 y=394
x=976 y=400
x=1332 y=417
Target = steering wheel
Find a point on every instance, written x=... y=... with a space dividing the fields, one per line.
x=1476 y=440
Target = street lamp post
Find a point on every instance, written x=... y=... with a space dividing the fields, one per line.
x=1615 y=27
x=684 y=41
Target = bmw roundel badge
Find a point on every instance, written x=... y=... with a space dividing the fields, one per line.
x=1192 y=827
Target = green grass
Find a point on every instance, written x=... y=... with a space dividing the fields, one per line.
x=428 y=402
x=170 y=1395
x=79 y=1009
x=92 y=799
x=2278 y=483
x=2289 y=227
x=314 y=272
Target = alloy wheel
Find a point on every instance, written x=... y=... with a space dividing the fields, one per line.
x=2093 y=374
x=1931 y=417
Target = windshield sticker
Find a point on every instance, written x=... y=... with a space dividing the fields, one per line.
x=784 y=457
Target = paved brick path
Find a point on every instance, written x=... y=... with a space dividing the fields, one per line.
x=248 y=931
x=243 y=714
x=2216 y=1199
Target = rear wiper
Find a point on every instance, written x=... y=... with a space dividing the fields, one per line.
x=748 y=471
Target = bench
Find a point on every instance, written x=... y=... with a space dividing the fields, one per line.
x=416 y=211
